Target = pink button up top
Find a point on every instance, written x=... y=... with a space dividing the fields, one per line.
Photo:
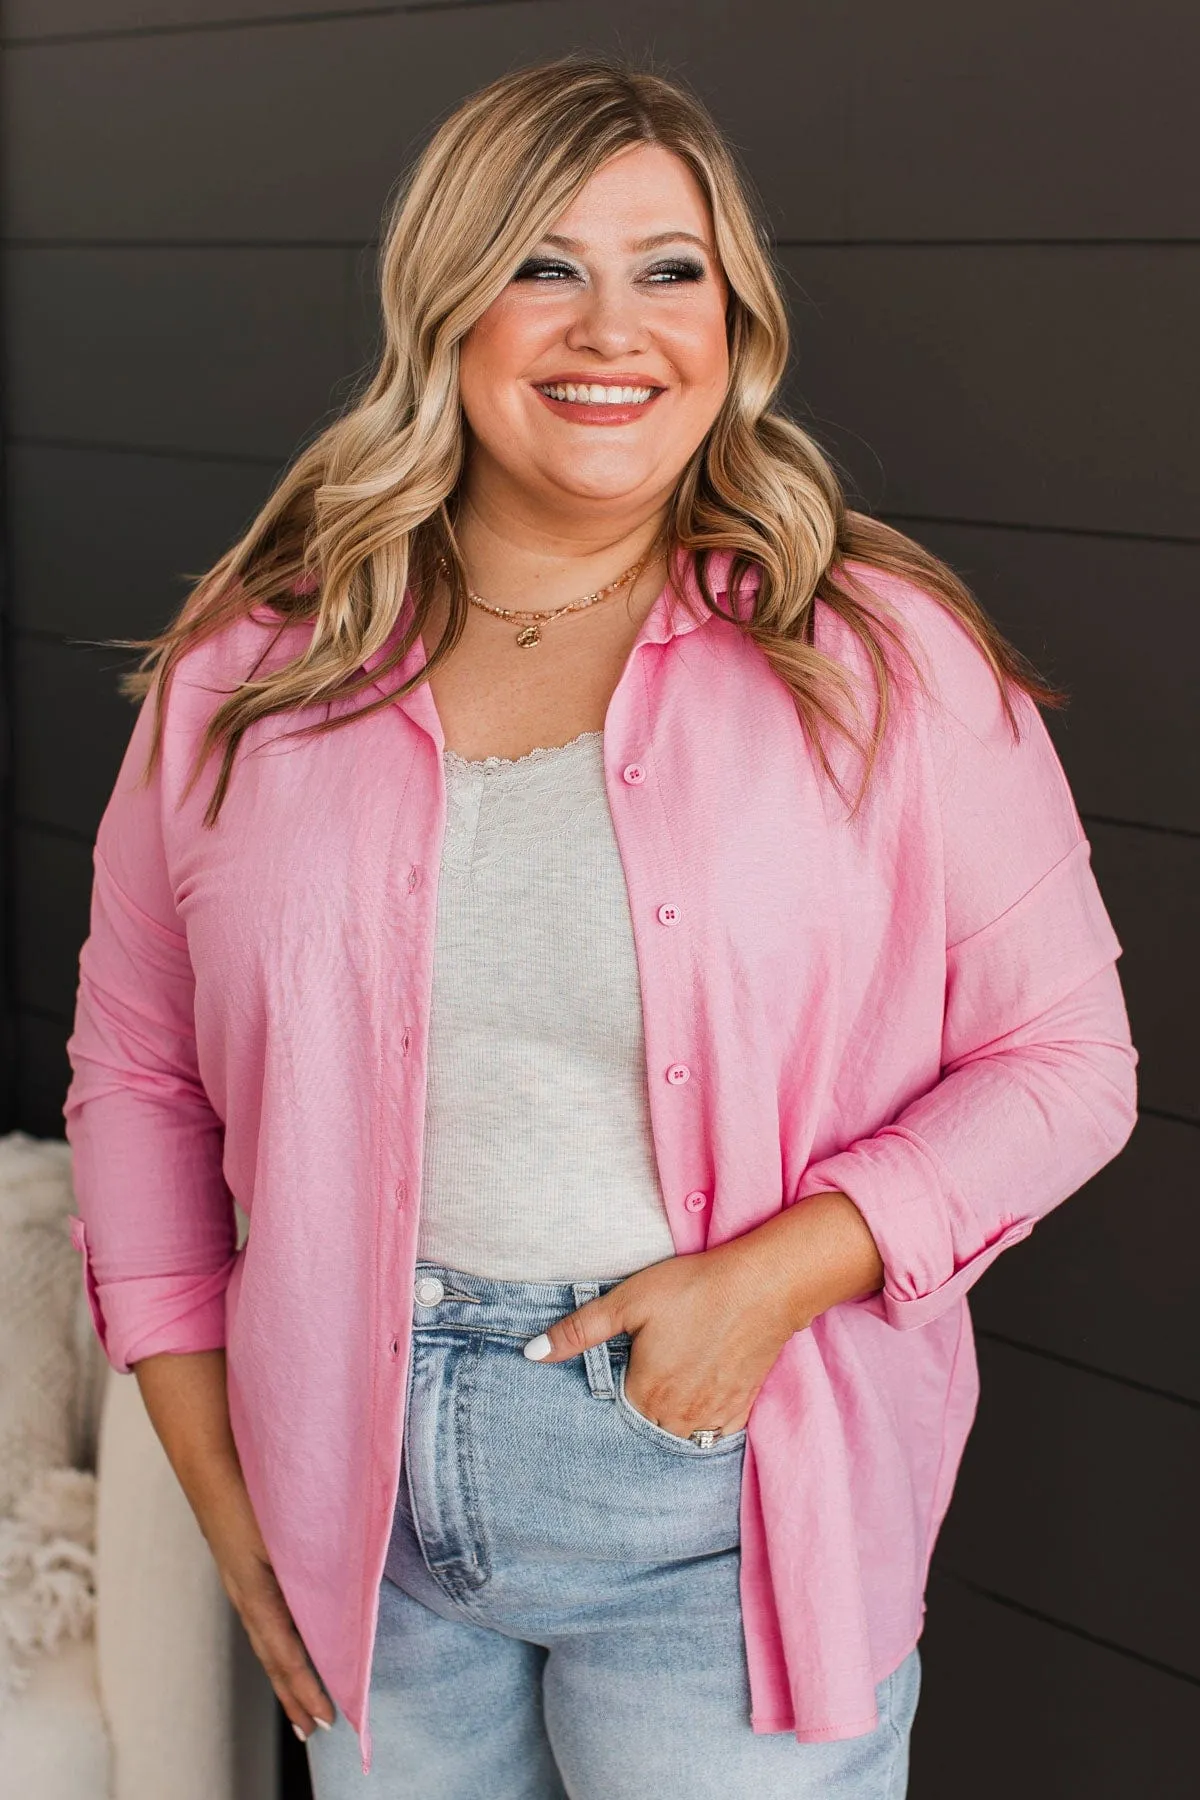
x=919 y=1008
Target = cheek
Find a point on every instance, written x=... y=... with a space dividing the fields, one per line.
x=499 y=348
x=700 y=352
x=482 y=358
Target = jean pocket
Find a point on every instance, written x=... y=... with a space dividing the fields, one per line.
x=725 y=1446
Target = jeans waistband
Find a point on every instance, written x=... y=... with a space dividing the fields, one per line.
x=451 y=1299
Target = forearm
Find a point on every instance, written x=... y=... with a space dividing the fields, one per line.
x=816 y=1254
x=186 y=1398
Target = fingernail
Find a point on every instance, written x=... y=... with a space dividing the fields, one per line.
x=538 y=1347
x=325 y=1724
x=302 y=1735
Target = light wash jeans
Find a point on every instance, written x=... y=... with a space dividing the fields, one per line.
x=560 y=1614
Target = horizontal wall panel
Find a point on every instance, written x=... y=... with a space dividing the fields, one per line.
x=1109 y=1277
x=1042 y=385
x=317 y=121
x=43 y=1073
x=1075 y=1495
x=54 y=18
x=1150 y=881
x=237 y=351
x=1037 y=121
x=915 y=122
x=1116 y=623
x=72 y=728
x=1011 y=1706
x=105 y=543
x=52 y=886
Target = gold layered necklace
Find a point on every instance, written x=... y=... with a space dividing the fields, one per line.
x=530 y=633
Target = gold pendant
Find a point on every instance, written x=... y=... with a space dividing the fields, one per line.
x=530 y=635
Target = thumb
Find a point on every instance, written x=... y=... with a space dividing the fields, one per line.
x=589 y=1324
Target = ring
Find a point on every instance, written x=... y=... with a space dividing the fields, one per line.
x=705 y=1439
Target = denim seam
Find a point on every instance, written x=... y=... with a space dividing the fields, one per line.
x=468 y=1473
x=462 y=1328
x=418 y=1529
x=898 y=1754
x=437 y=1574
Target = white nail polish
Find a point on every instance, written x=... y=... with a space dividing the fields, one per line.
x=302 y=1735
x=538 y=1347
x=325 y=1724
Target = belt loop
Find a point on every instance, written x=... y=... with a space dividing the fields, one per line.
x=595 y=1358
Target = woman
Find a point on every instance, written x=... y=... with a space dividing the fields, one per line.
x=647 y=927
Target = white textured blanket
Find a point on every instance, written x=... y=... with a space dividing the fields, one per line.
x=47 y=1504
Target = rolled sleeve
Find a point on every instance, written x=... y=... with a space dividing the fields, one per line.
x=871 y=1184
x=1037 y=1087
x=969 y=1168
x=155 y=1221
x=140 y=1317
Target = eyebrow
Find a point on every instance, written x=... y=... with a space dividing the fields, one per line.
x=649 y=243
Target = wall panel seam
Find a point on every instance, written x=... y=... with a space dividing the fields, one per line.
x=207 y=28
x=954 y=243
x=174 y=452
x=1172 y=1118
x=1044 y=1618
x=1073 y=531
x=47 y=828
x=1173 y=831
x=1087 y=1368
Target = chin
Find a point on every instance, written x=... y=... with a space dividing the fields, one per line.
x=600 y=485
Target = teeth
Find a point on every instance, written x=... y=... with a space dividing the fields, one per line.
x=594 y=395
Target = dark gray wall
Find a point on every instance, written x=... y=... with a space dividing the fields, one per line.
x=989 y=224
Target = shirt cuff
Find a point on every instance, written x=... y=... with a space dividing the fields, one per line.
x=147 y=1314
x=898 y=1186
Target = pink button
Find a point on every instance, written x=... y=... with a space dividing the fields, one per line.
x=668 y=915
x=695 y=1201
x=633 y=773
x=401 y=1192
x=414 y=877
x=394 y=1348
x=405 y=1040
x=678 y=1072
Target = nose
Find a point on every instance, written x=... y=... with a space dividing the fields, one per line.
x=608 y=322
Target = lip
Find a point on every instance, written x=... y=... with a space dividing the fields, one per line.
x=591 y=378
x=582 y=412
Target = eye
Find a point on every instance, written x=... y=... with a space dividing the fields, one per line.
x=543 y=268
x=682 y=268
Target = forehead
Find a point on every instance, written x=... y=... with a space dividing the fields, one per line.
x=641 y=192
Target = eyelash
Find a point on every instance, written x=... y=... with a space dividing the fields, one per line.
x=682 y=268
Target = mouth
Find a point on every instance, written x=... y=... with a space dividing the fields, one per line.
x=598 y=403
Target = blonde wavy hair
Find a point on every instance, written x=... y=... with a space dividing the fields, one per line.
x=366 y=511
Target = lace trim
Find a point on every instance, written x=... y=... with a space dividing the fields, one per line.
x=540 y=753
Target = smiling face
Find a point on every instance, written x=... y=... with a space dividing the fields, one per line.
x=592 y=378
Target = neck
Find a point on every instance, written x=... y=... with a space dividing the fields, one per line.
x=516 y=557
